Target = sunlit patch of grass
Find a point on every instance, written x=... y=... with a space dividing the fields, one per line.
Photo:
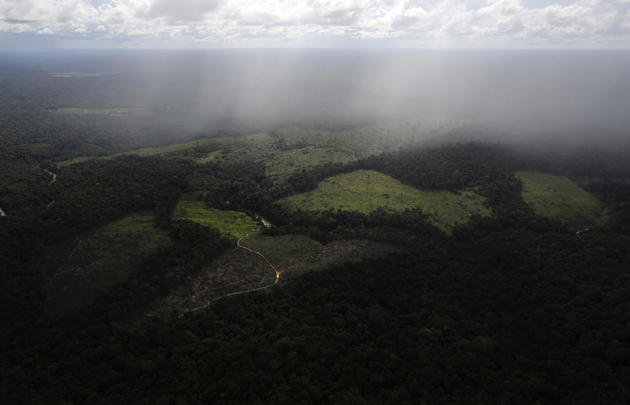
x=559 y=198
x=366 y=190
x=234 y=223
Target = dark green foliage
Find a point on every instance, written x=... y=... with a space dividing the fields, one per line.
x=515 y=316
x=85 y=197
x=615 y=192
x=510 y=309
x=193 y=246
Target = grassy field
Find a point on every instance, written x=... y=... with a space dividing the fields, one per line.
x=95 y=111
x=283 y=164
x=97 y=262
x=559 y=198
x=210 y=157
x=234 y=223
x=279 y=163
x=135 y=224
x=221 y=143
x=286 y=252
x=366 y=190
x=295 y=254
x=289 y=150
x=238 y=269
x=292 y=149
x=178 y=147
x=376 y=138
x=79 y=75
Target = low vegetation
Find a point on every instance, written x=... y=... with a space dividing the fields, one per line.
x=366 y=190
x=295 y=254
x=95 y=111
x=234 y=223
x=284 y=163
x=509 y=308
x=145 y=152
x=235 y=270
x=137 y=225
x=559 y=198
x=178 y=147
x=287 y=150
x=78 y=75
x=239 y=270
x=106 y=257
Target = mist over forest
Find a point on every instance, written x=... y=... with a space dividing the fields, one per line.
x=314 y=226
x=518 y=92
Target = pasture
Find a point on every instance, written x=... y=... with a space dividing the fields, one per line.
x=295 y=254
x=234 y=223
x=559 y=198
x=366 y=190
x=114 y=112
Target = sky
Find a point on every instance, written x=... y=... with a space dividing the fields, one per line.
x=425 y=24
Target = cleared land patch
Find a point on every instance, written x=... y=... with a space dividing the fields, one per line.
x=95 y=111
x=235 y=223
x=235 y=270
x=288 y=150
x=174 y=148
x=106 y=257
x=296 y=254
x=239 y=270
x=79 y=75
x=559 y=198
x=285 y=151
x=366 y=190
x=72 y=161
x=178 y=147
x=281 y=164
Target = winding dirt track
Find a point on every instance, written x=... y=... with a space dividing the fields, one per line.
x=51 y=174
x=238 y=244
x=53 y=179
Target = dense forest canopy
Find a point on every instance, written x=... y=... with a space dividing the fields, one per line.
x=138 y=242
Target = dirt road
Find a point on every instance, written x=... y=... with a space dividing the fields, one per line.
x=53 y=175
x=249 y=290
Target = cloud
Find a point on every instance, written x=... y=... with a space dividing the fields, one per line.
x=16 y=21
x=181 y=10
x=240 y=22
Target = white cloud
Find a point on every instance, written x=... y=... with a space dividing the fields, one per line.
x=284 y=21
x=181 y=10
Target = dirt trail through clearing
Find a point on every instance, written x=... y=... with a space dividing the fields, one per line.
x=53 y=175
x=238 y=244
